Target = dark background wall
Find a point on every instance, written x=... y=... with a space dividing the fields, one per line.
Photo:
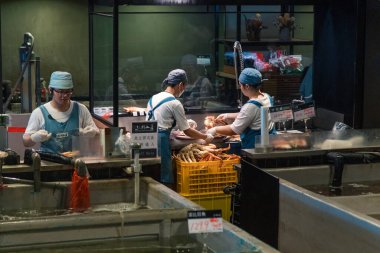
x=60 y=29
x=335 y=58
x=371 y=115
x=347 y=60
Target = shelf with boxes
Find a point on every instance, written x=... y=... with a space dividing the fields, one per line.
x=265 y=42
x=260 y=31
x=284 y=88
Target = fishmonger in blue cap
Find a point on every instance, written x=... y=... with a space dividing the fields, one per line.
x=169 y=113
x=53 y=124
x=246 y=123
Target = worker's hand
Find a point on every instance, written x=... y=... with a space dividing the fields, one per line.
x=222 y=117
x=209 y=138
x=88 y=131
x=192 y=123
x=40 y=136
x=212 y=131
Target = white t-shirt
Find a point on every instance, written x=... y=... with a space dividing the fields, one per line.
x=167 y=112
x=37 y=122
x=249 y=116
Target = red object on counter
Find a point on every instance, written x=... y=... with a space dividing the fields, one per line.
x=16 y=129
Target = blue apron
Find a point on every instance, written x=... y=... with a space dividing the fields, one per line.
x=249 y=135
x=61 y=132
x=164 y=147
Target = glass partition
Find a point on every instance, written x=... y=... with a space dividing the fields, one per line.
x=152 y=40
x=102 y=65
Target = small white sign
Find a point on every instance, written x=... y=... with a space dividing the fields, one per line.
x=205 y=221
x=145 y=133
x=203 y=60
x=281 y=113
x=304 y=111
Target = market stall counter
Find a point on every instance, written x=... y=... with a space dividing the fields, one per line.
x=99 y=168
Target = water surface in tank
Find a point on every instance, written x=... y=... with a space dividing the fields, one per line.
x=25 y=214
x=348 y=189
x=144 y=244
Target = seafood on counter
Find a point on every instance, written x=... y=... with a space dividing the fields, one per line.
x=233 y=138
x=290 y=142
x=134 y=109
x=70 y=153
x=200 y=153
x=211 y=121
x=178 y=134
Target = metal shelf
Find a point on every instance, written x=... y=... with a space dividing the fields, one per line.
x=265 y=42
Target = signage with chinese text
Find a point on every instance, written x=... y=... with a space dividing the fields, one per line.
x=281 y=113
x=304 y=111
x=205 y=221
x=145 y=133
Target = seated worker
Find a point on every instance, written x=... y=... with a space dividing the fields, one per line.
x=53 y=123
x=169 y=112
x=198 y=86
x=247 y=122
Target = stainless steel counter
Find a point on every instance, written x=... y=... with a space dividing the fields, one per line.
x=253 y=154
x=91 y=163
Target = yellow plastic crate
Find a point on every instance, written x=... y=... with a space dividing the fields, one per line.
x=214 y=202
x=202 y=178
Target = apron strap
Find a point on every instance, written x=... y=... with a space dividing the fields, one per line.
x=150 y=113
x=254 y=102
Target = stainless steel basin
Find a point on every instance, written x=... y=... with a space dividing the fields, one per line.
x=163 y=216
x=311 y=222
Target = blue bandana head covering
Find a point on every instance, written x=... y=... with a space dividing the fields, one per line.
x=251 y=76
x=61 y=80
x=175 y=77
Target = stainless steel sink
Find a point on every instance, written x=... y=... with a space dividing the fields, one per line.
x=162 y=214
x=311 y=222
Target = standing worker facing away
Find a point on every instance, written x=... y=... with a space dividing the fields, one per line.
x=169 y=112
x=53 y=123
x=247 y=122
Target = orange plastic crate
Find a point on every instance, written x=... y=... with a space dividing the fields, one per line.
x=205 y=177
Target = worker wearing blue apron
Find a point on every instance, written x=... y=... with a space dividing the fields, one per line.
x=247 y=122
x=169 y=112
x=54 y=123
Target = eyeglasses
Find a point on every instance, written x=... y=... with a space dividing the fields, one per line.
x=64 y=92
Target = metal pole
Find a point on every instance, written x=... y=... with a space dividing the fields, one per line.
x=38 y=84
x=1 y=72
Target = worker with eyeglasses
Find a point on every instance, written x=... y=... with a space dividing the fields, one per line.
x=54 y=123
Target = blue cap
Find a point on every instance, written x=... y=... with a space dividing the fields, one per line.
x=251 y=76
x=176 y=76
x=61 y=80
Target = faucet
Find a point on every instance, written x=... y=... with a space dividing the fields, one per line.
x=2 y=156
x=239 y=66
x=136 y=168
x=36 y=165
x=336 y=172
x=338 y=160
x=81 y=167
x=32 y=158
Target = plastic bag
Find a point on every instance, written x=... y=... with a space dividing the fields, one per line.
x=80 y=195
x=288 y=64
x=122 y=143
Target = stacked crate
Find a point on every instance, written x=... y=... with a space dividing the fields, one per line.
x=203 y=183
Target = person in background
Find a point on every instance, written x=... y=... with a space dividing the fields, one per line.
x=199 y=86
x=169 y=112
x=125 y=99
x=53 y=123
x=247 y=122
